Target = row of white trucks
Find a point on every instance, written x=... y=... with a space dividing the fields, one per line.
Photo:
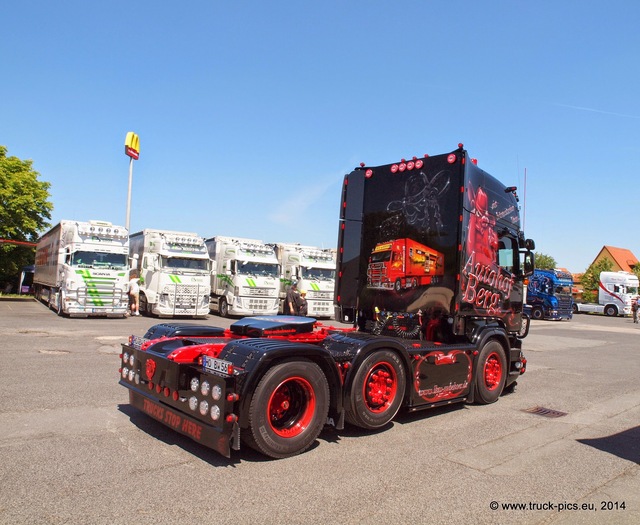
x=83 y=269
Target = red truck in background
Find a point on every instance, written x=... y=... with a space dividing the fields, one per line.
x=274 y=382
x=403 y=263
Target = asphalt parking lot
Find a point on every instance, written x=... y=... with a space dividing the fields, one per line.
x=563 y=449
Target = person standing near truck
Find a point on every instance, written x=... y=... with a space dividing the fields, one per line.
x=134 y=295
x=291 y=302
x=303 y=308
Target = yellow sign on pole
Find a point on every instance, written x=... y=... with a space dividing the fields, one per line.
x=132 y=145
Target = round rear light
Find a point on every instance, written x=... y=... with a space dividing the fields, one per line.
x=394 y=168
x=410 y=165
x=216 y=392
x=419 y=164
x=204 y=388
x=402 y=167
x=368 y=173
x=451 y=158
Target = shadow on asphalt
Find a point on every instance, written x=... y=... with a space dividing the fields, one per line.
x=623 y=444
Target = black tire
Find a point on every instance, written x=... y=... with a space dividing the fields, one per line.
x=524 y=327
x=59 y=309
x=491 y=373
x=377 y=390
x=143 y=305
x=288 y=410
x=610 y=310
x=397 y=286
x=537 y=313
x=223 y=307
x=574 y=308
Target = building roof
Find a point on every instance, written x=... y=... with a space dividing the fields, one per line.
x=621 y=257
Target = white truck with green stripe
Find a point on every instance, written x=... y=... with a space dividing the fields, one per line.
x=314 y=269
x=81 y=269
x=245 y=278
x=175 y=273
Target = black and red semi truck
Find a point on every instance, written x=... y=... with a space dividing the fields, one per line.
x=274 y=382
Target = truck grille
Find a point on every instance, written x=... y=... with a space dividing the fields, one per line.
x=100 y=295
x=260 y=292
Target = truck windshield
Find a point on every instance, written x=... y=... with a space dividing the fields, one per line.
x=321 y=274
x=633 y=290
x=259 y=269
x=183 y=263
x=563 y=289
x=380 y=257
x=114 y=261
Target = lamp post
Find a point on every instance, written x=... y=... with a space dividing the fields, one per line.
x=132 y=149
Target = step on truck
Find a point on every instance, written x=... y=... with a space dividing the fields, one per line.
x=314 y=271
x=274 y=382
x=549 y=294
x=616 y=292
x=175 y=273
x=81 y=269
x=245 y=277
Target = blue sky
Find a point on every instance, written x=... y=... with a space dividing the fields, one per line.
x=250 y=113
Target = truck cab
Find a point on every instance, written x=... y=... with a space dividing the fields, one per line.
x=549 y=294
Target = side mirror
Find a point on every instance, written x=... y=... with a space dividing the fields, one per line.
x=529 y=264
x=530 y=244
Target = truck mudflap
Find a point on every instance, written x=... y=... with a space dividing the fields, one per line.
x=197 y=430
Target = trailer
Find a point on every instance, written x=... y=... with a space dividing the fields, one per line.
x=274 y=382
x=81 y=269
x=175 y=273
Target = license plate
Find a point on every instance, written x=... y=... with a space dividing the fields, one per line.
x=216 y=365
x=137 y=341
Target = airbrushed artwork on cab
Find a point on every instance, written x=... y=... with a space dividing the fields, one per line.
x=488 y=255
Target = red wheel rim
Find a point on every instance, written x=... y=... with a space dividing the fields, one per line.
x=492 y=371
x=291 y=407
x=380 y=387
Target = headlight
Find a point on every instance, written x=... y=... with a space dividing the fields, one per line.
x=193 y=402
x=125 y=372
x=204 y=407
x=215 y=412
x=195 y=383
